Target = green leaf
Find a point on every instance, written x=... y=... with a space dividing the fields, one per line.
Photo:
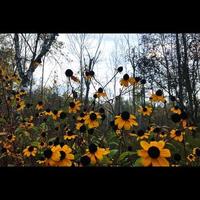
x=114 y=144
x=35 y=143
x=138 y=162
x=171 y=146
x=125 y=154
x=43 y=126
x=2 y=121
x=113 y=152
x=52 y=139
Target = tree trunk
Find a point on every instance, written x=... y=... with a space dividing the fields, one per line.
x=180 y=79
x=187 y=76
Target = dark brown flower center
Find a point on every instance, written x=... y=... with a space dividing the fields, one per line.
x=72 y=104
x=126 y=77
x=40 y=103
x=48 y=153
x=178 y=133
x=154 y=152
x=55 y=112
x=83 y=128
x=197 y=152
x=87 y=73
x=85 y=160
x=125 y=115
x=82 y=114
x=30 y=149
x=140 y=133
x=62 y=155
x=144 y=109
x=175 y=117
x=159 y=93
x=10 y=137
x=92 y=148
x=70 y=133
x=93 y=116
x=91 y=73
x=48 y=110
x=68 y=72
x=100 y=90
x=41 y=143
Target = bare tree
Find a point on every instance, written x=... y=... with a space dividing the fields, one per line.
x=29 y=51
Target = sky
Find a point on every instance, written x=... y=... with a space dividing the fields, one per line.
x=103 y=69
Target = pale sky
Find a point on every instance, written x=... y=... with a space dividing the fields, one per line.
x=103 y=69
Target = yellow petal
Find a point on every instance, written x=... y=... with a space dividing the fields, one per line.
x=161 y=144
x=145 y=145
x=155 y=163
x=99 y=155
x=142 y=153
x=163 y=162
x=66 y=149
x=93 y=159
x=121 y=124
x=146 y=161
x=70 y=156
x=165 y=153
x=127 y=125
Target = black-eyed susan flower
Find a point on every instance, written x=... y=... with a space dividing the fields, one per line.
x=48 y=153
x=42 y=145
x=79 y=124
x=154 y=154
x=30 y=151
x=89 y=75
x=74 y=106
x=196 y=151
x=70 y=135
x=7 y=145
x=96 y=153
x=62 y=156
x=21 y=105
x=22 y=92
x=140 y=134
x=184 y=117
x=125 y=120
x=145 y=110
x=163 y=134
x=40 y=105
x=11 y=138
x=177 y=135
x=176 y=109
x=191 y=158
x=92 y=119
x=126 y=80
x=158 y=97
x=81 y=116
x=56 y=114
x=100 y=93
x=48 y=112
